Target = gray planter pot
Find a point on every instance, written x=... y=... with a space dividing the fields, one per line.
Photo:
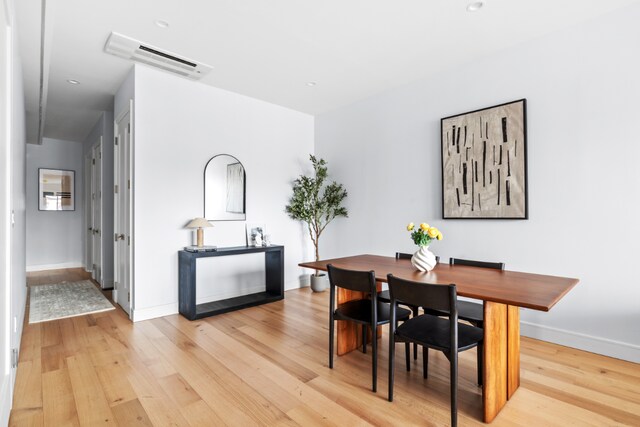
x=319 y=283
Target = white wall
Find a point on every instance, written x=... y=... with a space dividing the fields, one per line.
x=103 y=128
x=18 y=202
x=125 y=93
x=13 y=289
x=54 y=238
x=582 y=89
x=179 y=126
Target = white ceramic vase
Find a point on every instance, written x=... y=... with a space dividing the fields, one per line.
x=424 y=259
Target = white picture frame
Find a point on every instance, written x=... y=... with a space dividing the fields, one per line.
x=56 y=190
x=255 y=234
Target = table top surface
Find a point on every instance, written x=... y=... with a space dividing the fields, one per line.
x=233 y=250
x=534 y=291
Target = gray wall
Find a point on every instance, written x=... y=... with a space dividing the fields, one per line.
x=582 y=89
x=54 y=238
x=104 y=128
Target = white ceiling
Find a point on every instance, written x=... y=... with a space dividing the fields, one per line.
x=269 y=49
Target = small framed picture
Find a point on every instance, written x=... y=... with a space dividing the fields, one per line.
x=56 y=190
x=256 y=234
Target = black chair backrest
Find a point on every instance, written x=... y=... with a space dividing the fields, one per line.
x=437 y=297
x=363 y=281
x=483 y=264
x=402 y=255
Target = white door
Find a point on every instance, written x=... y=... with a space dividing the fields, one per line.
x=6 y=365
x=123 y=211
x=88 y=213
x=96 y=201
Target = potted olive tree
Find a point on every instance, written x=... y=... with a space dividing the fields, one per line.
x=317 y=205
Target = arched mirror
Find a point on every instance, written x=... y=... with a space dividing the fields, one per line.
x=224 y=189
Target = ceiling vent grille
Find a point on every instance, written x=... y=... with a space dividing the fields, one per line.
x=128 y=48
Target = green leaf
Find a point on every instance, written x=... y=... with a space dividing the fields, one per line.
x=314 y=202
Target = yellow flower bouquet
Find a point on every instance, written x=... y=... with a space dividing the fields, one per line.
x=424 y=234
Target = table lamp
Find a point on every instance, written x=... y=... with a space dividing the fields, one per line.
x=199 y=223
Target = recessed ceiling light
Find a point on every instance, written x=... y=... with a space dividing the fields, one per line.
x=311 y=84
x=162 y=24
x=475 y=6
x=73 y=82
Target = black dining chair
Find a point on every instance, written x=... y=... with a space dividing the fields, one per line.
x=472 y=312
x=368 y=312
x=384 y=297
x=446 y=335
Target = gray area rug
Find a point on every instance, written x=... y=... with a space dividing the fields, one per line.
x=66 y=299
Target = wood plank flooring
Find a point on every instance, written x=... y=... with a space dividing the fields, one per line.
x=267 y=365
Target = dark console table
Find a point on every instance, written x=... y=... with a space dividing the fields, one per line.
x=274 y=275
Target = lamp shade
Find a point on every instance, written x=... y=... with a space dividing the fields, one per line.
x=199 y=223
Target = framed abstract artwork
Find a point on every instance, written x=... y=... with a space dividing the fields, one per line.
x=484 y=163
x=56 y=190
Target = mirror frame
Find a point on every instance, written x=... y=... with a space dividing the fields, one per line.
x=244 y=190
x=71 y=196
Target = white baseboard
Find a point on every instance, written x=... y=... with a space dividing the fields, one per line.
x=141 y=314
x=299 y=284
x=6 y=398
x=43 y=267
x=169 y=309
x=107 y=284
x=593 y=344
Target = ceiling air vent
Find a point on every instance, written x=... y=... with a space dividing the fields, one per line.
x=128 y=48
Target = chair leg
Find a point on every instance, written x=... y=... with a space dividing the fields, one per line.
x=364 y=339
x=454 y=387
x=480 y=350
x=331 y=326
x=415 y=346
x=374 y=350
x=425 y=362
x=407 y=355
x=392 y=354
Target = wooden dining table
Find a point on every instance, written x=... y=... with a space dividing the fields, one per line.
x=503 y=292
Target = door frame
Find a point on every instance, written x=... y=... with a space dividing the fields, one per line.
x=11 y=303
x=96 y=204
x=6 y=302
x=116 y=205
x=88 y=213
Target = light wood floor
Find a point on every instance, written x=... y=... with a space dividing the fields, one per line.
x=268 y=366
